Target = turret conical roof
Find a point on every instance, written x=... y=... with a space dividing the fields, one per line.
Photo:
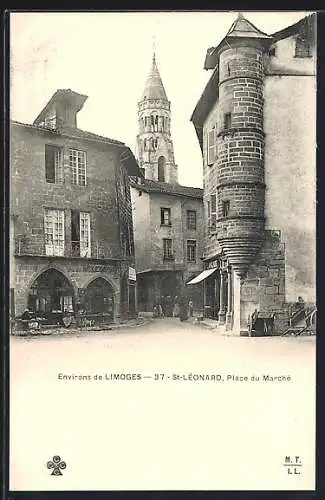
x=154 y=88
x=243 y=28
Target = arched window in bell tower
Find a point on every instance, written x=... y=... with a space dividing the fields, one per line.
x=161 y=168
x=156 y=124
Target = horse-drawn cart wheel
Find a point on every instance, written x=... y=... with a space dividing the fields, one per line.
x=67 y=321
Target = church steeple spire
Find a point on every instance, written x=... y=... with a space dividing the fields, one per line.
x=154 y=144
x=154 y=88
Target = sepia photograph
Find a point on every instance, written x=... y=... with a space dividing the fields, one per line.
x=162 y=250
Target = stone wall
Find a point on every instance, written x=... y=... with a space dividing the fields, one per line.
x=264 y=286
x=106 y=196
x=99 y=196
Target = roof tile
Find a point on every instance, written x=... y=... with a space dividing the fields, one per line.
x=150 y=186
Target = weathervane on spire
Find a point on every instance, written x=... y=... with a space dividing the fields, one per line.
x=154 y=47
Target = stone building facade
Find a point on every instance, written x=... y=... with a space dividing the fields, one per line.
x=255 y=123
x=168 y=217
x=71 y=219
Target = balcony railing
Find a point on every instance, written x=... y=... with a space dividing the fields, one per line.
x=70 y=249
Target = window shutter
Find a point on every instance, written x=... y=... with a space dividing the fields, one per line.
x=302 y=48
x=84 y=231
x=211 y=146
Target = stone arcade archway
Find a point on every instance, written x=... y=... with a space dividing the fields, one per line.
x=51 y=292
x=99 y=298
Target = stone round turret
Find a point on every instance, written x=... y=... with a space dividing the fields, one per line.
x=240 y=150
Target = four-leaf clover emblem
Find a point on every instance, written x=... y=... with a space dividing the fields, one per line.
x=57 y=465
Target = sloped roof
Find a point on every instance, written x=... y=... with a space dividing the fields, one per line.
x=240 y=28
x=208 y=97
x=150 y=186
x=243 y=28
x=307 y=22
x=154 y=88
x=84 y=134
x=70 y=132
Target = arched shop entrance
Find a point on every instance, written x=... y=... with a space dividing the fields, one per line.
x=99 y=299
x=51 y=295
x=170 y=289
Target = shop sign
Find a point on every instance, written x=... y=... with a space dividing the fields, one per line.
x=132 y=274
x=213 y=263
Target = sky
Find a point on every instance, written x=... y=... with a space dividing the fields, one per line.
x=107 y=56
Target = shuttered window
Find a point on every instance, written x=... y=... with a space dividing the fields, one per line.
x=212 y=146
x=53 y=164
x=302 y=47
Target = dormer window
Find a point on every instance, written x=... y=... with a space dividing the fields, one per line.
x=302 y=47
x=49 y=122
x=61 y=110
x=272 y=52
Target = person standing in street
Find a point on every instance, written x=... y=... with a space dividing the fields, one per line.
x=176 y=307
x=190 y=308
x=183 y=309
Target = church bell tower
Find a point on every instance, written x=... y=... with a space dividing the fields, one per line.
x=155 y=148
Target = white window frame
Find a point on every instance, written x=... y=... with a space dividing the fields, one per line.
x=191 y=246
x=168 y=250
x=191 y=220
x=54 y=232
x=84 y=228
x=78 y=166
x=166 y=219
